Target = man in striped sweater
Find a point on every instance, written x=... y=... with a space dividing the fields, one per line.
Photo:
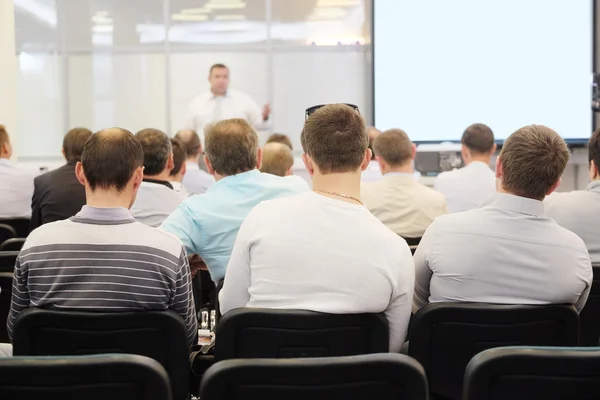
x=102 y=259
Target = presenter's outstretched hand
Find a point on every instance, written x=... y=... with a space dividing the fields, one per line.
x=266 y=111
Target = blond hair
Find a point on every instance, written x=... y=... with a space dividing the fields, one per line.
x=231 y=146
x=277 y=159
x=394 y=146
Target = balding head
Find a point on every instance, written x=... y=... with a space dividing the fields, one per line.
x=277 y=159
x=231 y=147
x=191 y=142
x=5 y=146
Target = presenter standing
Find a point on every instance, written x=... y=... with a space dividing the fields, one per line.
x=221 y=103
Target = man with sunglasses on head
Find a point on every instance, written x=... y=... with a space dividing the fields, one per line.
x=323 y=250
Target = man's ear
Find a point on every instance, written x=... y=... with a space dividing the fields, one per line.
x=381 y=162
x=209 y=166
x=183 y=169
x=138 y=177
x=366 y=159
x=498 y=168
x=259 y=158
x=63 y=152
x=414 y=150
x=170 y=163
x=593 y=170
x=308 y=163
x=290 y=171
x=79 y=173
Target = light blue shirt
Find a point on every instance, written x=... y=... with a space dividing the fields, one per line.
x=208 y=224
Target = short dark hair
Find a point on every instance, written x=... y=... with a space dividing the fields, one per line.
x=394 y=146
x=110 y=157
x=231 y=146
x=594 y=148
x=190 y=140
x=216 y=66
x=178 y=156
x=280 y=138
x=157 y=149
x=335 y=137
x=73 y=143
x=478 y=138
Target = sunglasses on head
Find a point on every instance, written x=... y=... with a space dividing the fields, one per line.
x=312 y=109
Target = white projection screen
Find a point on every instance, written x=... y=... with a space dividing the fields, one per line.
x=441 y=65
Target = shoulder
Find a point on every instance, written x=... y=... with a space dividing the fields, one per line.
x=46 y=234
x=431 y=194
x=566 y=238
x=564 y=198
x=161 y=239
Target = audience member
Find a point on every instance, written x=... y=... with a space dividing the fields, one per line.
x=466 y=188
x=208 y=224
x=156 y=198
x=277 y=159
x=280 y=138
x=372 y=173
x=17 y=184
x=196 y=179
x=102 y=259
x=57 y=194
x=576 y=211
x=507 y=252
x=323 y=250
x=398 y=200
x=179 y=168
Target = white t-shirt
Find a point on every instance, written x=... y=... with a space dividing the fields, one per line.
x=154 y=203
x=468 y=187
x=311 y=252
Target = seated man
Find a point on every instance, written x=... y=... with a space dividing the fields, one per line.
x=16 y=187
x=277 y=159
x=577 y=210
x=398 y=200
x=507 y=252
x=196 y=180
x=323 y=250
x=372 y=173
x=280 y=138
x=466 y=188
x=207 y=224
x=102 y=259
x=179 y=170
x=57 y=194
x=156 y=198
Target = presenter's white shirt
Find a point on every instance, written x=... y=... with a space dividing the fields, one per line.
x=155 y=202
x=16 y=190
x=505 y=252
x=468 y=187
x=207 y=108
x=310 y=252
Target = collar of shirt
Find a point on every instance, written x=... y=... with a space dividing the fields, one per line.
x=479 y=164
x=517 y=204
x=235 y=179
x=105 y=214
x=159 y=182
x=399 y=174
x=191 y=165
x=7 y=163
x=593 y=186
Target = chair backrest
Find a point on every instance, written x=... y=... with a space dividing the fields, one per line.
x=6 y=279
x=589 y=321
x=20 y=225
x=7 y=232
x=160 y=335
x=266 y=333
x=445 y=336
x=522 y=373
x=8 y=260
x=372 y=376
x=13 y=244
x=114 y=377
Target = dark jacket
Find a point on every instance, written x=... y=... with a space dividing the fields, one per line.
x=57 y=195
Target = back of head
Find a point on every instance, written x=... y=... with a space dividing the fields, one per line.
x=4 y=140
x=594 y=149
x=335 y=137
x=73 y=143
x=478 y=138
x=277 y=159
x=231 y=146
x=373 y=133
x=533 y=159
x=110 y=157
x=280 y=138
x=179 y=156
x=191 y=142
x=394 y=147
x=157 y=149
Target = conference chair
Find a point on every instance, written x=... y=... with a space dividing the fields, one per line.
x=533 y=373
x=160 y=335
x=6 y=232
x=372 y=376
x=8 y=259
x=445 y=336
x=20 y=225
x=13 y=244
x=589 y=321
x=114 y=377
x=268 y=333
x=6 y=280
x=203 y=289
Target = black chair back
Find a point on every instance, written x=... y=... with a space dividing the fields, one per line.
x=13 y=244
x=589 y=321
x=20 y=225
x=6 y=280
x=6 y=232
x=521 y=373
x=160 y=335
x=373 y=376
x=445 y=336
x=267 y=333
x=8 y=259
x=114 y=377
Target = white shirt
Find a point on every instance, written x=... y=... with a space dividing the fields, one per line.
x=16 y=190
x=207 y=108
x=310 y=252
x=466 y=188
x=195 y=180
x=154 y=203
x=403 y=204
x=372 y=173
x=578 y=211
x=179 y=188
x=505 y=252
